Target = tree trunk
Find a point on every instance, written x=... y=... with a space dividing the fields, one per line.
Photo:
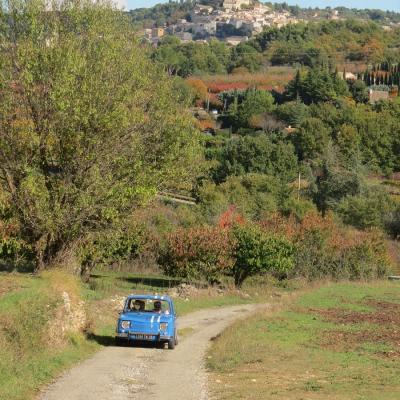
x=239 y=276
x=47 y=250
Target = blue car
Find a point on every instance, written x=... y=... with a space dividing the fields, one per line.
x=148 y=318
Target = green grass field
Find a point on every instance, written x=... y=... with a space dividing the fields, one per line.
x=341 y=341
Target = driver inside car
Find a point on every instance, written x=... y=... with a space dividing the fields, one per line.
x=138 y=305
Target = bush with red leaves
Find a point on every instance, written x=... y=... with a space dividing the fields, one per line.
x=195 y=254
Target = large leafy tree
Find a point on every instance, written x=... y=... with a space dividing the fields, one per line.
x=255 y=102
x=169 y=57
x=334 y=181
x=244 y=55
x=311 y=139
x=89 y=129
x=254 y=154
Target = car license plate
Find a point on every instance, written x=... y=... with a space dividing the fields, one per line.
x=143 y=336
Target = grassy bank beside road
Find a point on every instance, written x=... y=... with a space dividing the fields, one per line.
x=341 y=341
x=33 y=346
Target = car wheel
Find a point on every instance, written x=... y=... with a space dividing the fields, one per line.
x=119 y=341
x=171 y=344
x=176 y=340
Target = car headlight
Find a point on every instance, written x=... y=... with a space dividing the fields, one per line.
x=125 y=324
x=163 y=326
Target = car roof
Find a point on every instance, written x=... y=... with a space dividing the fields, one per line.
x=149 y=297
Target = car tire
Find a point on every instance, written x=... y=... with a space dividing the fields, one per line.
x=119 y=342
x=171 y=344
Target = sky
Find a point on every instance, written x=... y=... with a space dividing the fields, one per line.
x=393 y=5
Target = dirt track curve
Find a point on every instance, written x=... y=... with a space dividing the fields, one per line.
x=148 y=373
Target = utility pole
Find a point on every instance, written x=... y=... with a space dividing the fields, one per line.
x=299 y=187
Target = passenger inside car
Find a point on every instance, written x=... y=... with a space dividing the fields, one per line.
x=157 y=307
x=149 y=305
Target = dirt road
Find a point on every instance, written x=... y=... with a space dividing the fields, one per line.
x=149 y=373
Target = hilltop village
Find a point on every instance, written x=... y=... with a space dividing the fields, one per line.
x=235 y=22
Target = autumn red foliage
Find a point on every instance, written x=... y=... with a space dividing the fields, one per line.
x=206 y=124
x=319 y=246
x=203 y=253
x=230 y=218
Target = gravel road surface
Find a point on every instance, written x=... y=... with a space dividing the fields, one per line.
x=132 y=373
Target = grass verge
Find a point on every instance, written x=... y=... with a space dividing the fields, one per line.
x=32 y=347
x=336 y=342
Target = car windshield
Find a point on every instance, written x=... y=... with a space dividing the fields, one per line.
x=148 y=305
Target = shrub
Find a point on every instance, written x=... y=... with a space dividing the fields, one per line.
x=297 y=207
x=392 y=223
x=368 y=210
x=111 y=247
x=198 y=88
x=257 y=252
x=203 y=253
x=304 y=245
x=364 y=261
x=14 y=252
x=324 y=249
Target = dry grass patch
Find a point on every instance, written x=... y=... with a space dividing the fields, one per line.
x=8 y=285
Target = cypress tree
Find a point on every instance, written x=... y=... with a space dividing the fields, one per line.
x=367 y=79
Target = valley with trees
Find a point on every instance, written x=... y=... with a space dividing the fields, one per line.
x=238 y=173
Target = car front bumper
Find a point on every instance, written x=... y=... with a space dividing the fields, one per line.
x=143 y=336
